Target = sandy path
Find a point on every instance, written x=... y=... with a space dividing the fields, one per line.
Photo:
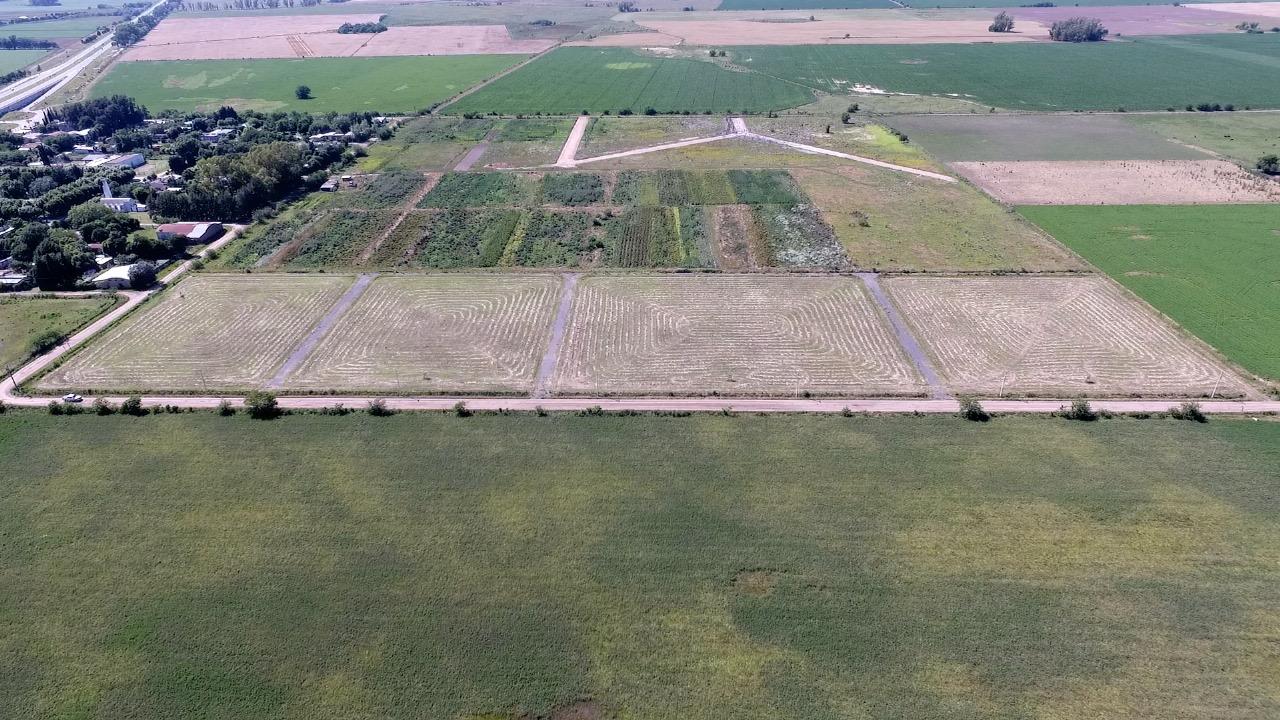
x=547 y=368
x=905 y=337
x=321 y=329
x=570 y=149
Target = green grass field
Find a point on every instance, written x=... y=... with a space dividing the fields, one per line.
x=11 y=60
x=1215 y=269
x=72 y=28
x=427 y=566
x=1243 y=137
x=1149 y=73
x=22 y=319
x=386 y=84
x=570 y=80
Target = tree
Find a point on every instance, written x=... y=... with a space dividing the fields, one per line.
x=1269 y=164
x=52 y=267
x=303 y=92
x=1078 y=29
x=142 y=275
x=1002 y=23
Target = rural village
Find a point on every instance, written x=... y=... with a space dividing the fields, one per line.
x=639 y=359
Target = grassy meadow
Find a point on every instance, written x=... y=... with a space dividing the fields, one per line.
x=384 y=84
x=23 y=319
x=1212 y=268
x=1147 y=73
x=428 y=566
x=11 y=60
x=572 y=79
x=1243 y=137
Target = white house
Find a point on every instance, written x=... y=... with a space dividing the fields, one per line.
x=113 y=278
x=119 y=204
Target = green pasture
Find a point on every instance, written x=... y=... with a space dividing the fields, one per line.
x=1147 y=73
x=429 y=566
x=11 y=60
x=572 y=79
x=1215 y=269
x=22 y=319
x=1243 y=137
x=384 y=84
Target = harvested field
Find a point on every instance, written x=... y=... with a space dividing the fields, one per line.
x=893 y=221
x=1259 y=10
x=628 y=39
x=210 y=332
x=439 y=333
x=1139 y=19
x=1121 y=182
x=1057 y=336
x=716 y=33
x=1003 y=137
x=317 y=36
x=734 y=334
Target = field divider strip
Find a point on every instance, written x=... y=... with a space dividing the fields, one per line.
x=321 y=329
x=570 y=149
x=815 y=150
x=906 y=338
x=656 y=148
x=408 y=207
x=551 y=358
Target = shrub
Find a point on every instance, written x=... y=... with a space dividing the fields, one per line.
x=262 y=405
x=1189 y=411
x=3 y=407
x=44 y=342
x=226 y=409
x=55 y=407
x=1002 y=23
x=1269 y=164
x=142 y=275
x=102 y=407
x=303 y=92
x=1078 y=29
x=538 y=410
x=461 y=410
x=132 y=405
x=378 y=408
x=971 y=409
x=1080 y=410
x=593 y=411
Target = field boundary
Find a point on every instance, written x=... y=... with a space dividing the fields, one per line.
x=300 y=353
x=559 y=326
x=405 y=208
x=906 y=339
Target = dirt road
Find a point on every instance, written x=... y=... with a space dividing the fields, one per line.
x=570 y=149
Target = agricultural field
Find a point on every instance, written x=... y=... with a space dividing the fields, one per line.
x=732 y=334
x=1243 y=137
x=549 y=563
x=425 y=144
x=1150 y=73
x=11 y=60
x=335 y=240
x=458 y=238
x=459 y=190
x=660 y=237
x=1054 y=336
x=570 y=80
x=804 y=4
x=58 y=29
x=692 y=187
x=24 y=319
x=401 y=84
x=862 y=138
x=1212 y=269
x=438 y=333
x=385 y=190
x=610 y=134
x=892 y=221
x=1119 y=182
x=526 y=142
x=1000 y=137
x=210 y=332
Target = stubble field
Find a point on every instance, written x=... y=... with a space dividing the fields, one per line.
x=739 y=335
x=1119 y=182
x=443 y=334
x=1063 y=336
x=214 y=332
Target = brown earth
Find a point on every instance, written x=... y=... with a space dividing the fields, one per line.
x=1119 y=182
x=839 y=31
x=318 y=37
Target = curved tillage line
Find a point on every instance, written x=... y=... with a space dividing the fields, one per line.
x=743 y=334
x=437 y=333
x=215 y=331
x=1053 y=336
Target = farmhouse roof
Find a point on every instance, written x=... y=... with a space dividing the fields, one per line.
x=119 y=272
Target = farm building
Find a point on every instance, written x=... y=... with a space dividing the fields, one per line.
x=119 y=204
x=195 y=233
x=113 y=278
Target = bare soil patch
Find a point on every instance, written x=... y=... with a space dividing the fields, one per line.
x=1120 y=182
x=317 y=36
x=839 y=31
x=1140 y=19
x=1056 y=337
x=758 y=582
x=1254 y=10
x=635 y=39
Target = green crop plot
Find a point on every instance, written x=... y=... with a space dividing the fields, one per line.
x=706 y=187
x=384 y=191
x=424 y=566
x=459 y=190
x=570 y=80
x=1147 y=73
x=1243 y=137
x=51 y=29
x=573 y=188
x=659 y=237
x=798 y=237
x=1212 y=268
x=383 y=84
x=338 y=237
x=550 y=239
x=459 y=238
x=11 y=60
